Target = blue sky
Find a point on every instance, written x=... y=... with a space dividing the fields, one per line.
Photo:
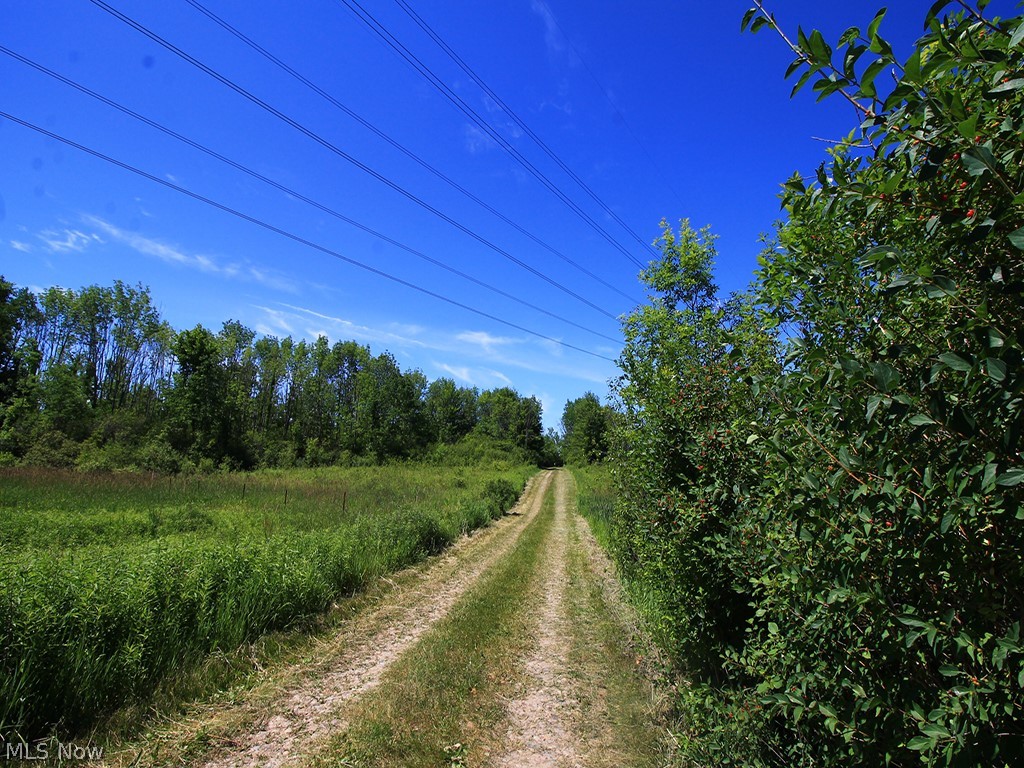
x=662 y=109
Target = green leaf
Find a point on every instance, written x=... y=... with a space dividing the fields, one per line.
x=759 y=23
x=969 y=128
x=995 y=368
x=1011 y=478
x=1009 y=85
x=773 y=628
x=801 y=82
x=979 y=160
x=873 y=402
x=947 y=521
x=920 y=420
x=875 y=22
x=747 y=17
x=867 y=80
x=881 y=46
x=935 y=730
x=912 y=68
x=819 y=48
x=934 y=11
x=939 y=287
x=1018 y=36
x=794 y=66
x=921 y=743
x=849 y=36
x=1017 y=236
x=988 y=480
x=955 y=362
x=885 y=376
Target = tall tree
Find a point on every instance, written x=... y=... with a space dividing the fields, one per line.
x=585 y=425
x=451 y=410
x=18 y=315
x=505 y=415
x=200 y=404
x=390 y=408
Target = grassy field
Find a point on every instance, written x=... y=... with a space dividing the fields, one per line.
x=109 y=583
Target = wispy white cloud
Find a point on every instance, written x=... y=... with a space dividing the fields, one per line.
x=20 y=246
x=554 y=348
x=476 y=141
x=474 y=377
x=174 y=255
x=338 y=328
x=459 y=373
x=552 y=35
x=501 y=120
x=67 y=240
x=484 y=340
x=275 y=323
x=499 y=376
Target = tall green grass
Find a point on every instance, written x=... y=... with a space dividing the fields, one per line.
x=110 y=583
x=596 y=495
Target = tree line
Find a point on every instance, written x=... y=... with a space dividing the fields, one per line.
x=821 y=482
x=95 y=378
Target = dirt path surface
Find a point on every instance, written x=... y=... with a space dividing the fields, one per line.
x=562 y=711
x=541 y=721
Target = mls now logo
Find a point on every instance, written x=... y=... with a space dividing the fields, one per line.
x=22 y=750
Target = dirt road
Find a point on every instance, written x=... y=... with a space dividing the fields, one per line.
x=558 y=683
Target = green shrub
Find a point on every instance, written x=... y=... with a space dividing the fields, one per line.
x=500 y=495
x=829 y=542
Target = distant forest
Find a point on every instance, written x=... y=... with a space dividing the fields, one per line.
x=95 y=379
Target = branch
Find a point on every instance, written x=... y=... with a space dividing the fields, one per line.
x=978 y=17
x=866 y=111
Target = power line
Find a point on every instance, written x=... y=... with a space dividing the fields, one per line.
x=291 y=236
x=381 y=31
x=344 y=155
x=519 y=121
x=287 y=190
x=400 y=147
x=604 y=91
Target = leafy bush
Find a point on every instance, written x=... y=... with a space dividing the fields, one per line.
x=52 y=449
x=500 y=495
x=830 y=542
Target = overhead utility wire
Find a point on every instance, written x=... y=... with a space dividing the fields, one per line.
x=370 y=21
x=520 y=122
x=400 y=147
x=657 y=168
x=291 y=236
x=288 y=191
x=341 y=153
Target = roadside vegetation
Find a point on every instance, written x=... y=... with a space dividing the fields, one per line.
x=112 y=582
x=820 y=480
x=595 y=498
